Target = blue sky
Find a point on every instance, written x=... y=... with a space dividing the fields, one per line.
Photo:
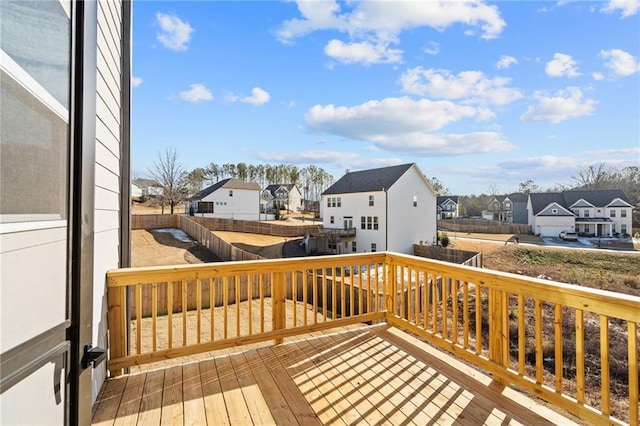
x=478 y=94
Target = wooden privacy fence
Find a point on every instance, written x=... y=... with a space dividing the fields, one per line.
x=155 y=221
x=219 y=247
x=483 y=226
x=255 y=227
x=461 y=257
x=545 y=337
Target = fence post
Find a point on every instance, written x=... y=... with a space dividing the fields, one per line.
x=116 y=297
x=278 y=307
x=498 y=329
x=390 y=284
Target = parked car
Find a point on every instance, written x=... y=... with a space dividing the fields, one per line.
x=568 y=235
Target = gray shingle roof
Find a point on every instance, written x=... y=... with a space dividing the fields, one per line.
x=442 y=198
x=230 y=183
x=597 y=197
x=368 y=180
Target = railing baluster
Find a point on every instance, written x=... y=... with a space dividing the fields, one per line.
x=604 y=364
x=558 y=342
x=478 y=305
x=212 y=308
x=279 y=303
x=632 y=360
x=434 y=303
x=154 y=315
x=170 y=285
x=261 y=281
x=443 y=305
x=314 y=292
x=305 y=296
x=225 y=304
x=580 y=353
x=539 y=355
x=343 y=305
x=236 y=280
x=294 y=293
x=454 y=306
x=324 y=294
x=185 y=285
x=465 y=315
x=138 y=296
x=334 y=297
x=198 y=308
x=352 y=280
x=521 y=335
x=250 y=282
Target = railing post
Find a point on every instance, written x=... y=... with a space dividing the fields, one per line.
x=278 y=307
x=498 y=327
x=390 y=286
x=116 y=297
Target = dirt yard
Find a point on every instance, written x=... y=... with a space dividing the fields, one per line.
x=155 y=248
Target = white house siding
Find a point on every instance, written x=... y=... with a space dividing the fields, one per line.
x=107 y=169
x=408 y=224
x=243 y=205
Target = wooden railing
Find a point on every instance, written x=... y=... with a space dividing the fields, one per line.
x=541 y=336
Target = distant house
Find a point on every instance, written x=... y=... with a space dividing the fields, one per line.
x=136 y=192
x=389 y=208
x=149 y=187
x=229 y=198
x=510 y=208
x=605 y=212
x=283 y=197
x=447 y=207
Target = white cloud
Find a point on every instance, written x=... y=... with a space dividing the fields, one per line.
x=621 y=63
x=568 y=103
x=627 y=7
x=258 y=97
x=174 y=33
x=309 y=157
x=562 y=65
x=506 y=61
x=614 y=151
x=470 y=86
x=364 y=53
x=372 y=23
x=542 y=162
x=136 y=81
x=388 y=116
x=197 y=93
x=425 y=144
x=404 y=125
x=432 y=48
x=598 y=76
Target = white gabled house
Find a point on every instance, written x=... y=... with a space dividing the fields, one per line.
x=283 y=197
x=447 y=207
x=598 y=213
x=229 y=199
x=385 y=209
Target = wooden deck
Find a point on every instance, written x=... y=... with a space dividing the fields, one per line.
x=357 y=375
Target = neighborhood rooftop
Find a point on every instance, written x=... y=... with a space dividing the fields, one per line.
x=368 y=180
x=597 y=197
x=230 y=183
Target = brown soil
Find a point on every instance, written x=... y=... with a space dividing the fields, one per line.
x=153 y=248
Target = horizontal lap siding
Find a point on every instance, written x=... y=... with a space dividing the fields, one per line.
x=107 y=167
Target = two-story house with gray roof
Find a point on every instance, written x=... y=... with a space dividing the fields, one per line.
x=447 y=207
x=510 y=208
x=389 y=208
x=604 y=212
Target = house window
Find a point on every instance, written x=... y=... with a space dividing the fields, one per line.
x=623 y=213
x=339 y=202
x=507 y=205
x=34 y=118
x=354 y=246
x=375 y=223
x=612 y=213
x=332 y=245
x=205 y=207
x=613 y=228
x=586 y=213
x=231 y=193
x=369 y=222
x=415 y=201
x=374 y=247
x=371 y=203
x=328 y=201
x=623 y=228
x=331 y=219
x=333 y=201
x=363 y=222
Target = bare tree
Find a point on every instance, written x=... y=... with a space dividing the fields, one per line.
x=593 y=177
x=171 y=176
x=528 y=186
x=438 y=186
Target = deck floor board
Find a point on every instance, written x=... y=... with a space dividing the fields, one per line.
x=355 y=375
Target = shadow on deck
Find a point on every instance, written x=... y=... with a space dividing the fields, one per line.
x=356 y=375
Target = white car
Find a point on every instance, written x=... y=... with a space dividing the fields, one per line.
x=568 y=235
